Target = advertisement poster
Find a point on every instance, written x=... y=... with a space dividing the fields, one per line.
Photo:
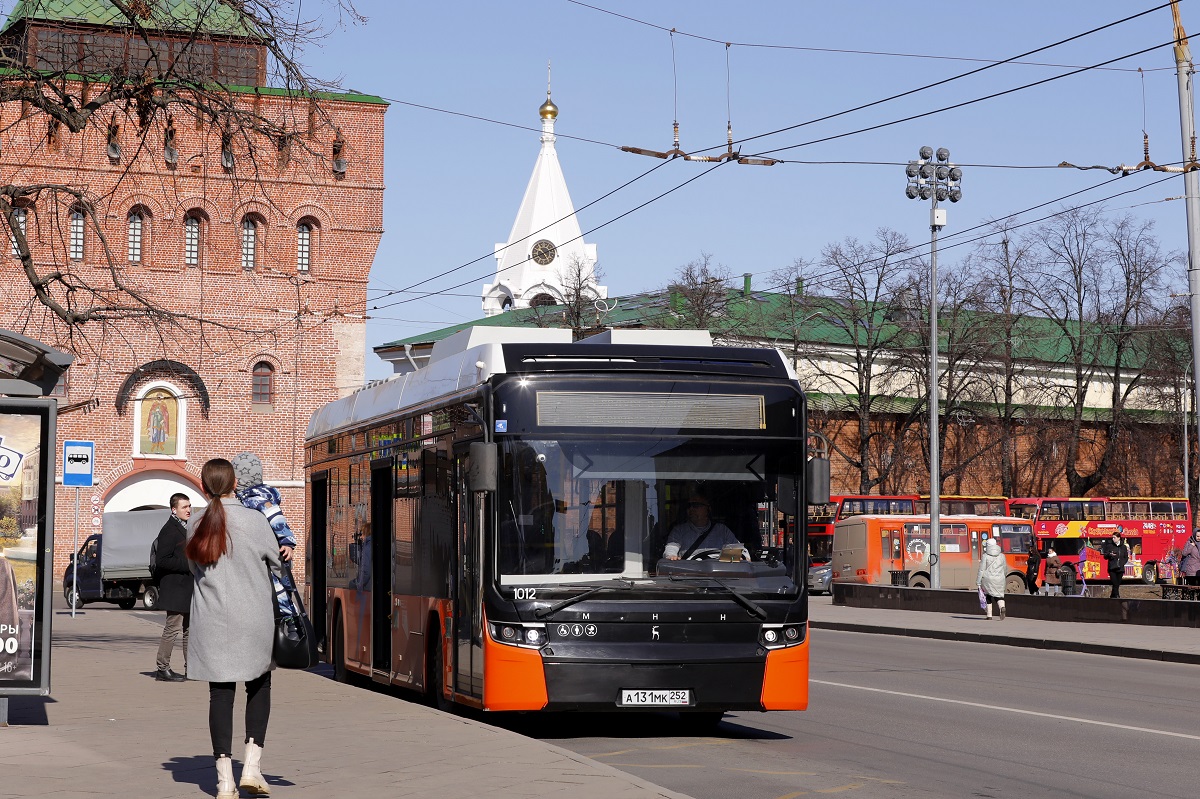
x=22 y=515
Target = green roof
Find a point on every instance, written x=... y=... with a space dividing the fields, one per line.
x=181 y=15
x=764 y=315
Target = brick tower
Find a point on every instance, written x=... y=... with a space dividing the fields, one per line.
x=262 y=246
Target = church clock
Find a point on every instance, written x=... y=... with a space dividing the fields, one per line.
x=543 y=252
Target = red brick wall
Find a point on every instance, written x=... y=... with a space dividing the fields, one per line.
x=268 y=314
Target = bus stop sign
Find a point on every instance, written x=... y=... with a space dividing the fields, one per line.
x=78 y=463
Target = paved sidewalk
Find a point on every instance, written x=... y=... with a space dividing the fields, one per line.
x=109 y=729
x=1176 y=644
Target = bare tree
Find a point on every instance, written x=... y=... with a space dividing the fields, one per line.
x=964 y=362
x=1098 y=281
x=699 y=298
x=1002 y=303
x=137 y=86
x=577 y=306
x=858 y=324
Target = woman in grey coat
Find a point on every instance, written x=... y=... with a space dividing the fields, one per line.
x=231 y=549
x=993 y=571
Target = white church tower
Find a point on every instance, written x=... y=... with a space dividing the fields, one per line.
x=545 y=256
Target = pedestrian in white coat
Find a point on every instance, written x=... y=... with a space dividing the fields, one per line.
x=233 y=553
x=993 y=571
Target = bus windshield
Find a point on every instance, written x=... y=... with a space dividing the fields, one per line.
x=577 y=510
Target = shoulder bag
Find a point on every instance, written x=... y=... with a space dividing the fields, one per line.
x=295 y=645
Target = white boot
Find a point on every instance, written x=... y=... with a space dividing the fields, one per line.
x=252 y=781
x=1001 y=604
x=989 y=611
x=226 y=788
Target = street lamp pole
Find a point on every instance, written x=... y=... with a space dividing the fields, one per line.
x=936 y=181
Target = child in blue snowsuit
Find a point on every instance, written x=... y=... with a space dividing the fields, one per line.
x=254 y=494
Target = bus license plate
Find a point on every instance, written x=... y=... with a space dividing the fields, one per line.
x=654 y=698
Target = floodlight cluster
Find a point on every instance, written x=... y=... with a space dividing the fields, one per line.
x=930 y=179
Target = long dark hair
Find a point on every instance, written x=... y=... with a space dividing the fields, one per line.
x=211 y=540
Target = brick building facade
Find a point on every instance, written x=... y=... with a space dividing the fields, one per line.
x=264 y=247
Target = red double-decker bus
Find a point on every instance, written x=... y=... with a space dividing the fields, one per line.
x=963 y=505
x=822 y=518
x=1077 y=527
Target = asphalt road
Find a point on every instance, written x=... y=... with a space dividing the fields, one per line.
x=901 y=717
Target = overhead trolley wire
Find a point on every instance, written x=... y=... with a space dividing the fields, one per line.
x=847 y=51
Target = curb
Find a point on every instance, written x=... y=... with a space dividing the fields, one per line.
x=1162 y=655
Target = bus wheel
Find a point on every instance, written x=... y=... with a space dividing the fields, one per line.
x=918 y=581
x=434 y=676
x=338 y=651
x=1015 y=584
x=1150 y=573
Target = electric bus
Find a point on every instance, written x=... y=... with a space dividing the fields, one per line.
x=489 y=529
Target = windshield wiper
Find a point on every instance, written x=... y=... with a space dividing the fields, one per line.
x=566 y=603
x=743 y=600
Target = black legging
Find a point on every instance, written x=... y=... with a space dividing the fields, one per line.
x=1114 y=579
x=220 y=712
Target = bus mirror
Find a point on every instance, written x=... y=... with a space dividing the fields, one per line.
x=786 y=499
x=818 y=481
x=483 y=467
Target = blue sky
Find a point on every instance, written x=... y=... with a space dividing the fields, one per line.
x=454 y=184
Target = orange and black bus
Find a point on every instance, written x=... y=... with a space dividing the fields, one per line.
x=489 y=529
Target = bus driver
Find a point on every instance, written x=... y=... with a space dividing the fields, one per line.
x=699 y=532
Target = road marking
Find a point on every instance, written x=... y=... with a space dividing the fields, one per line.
x=841 y=788
x=982 y=706
x=657 y=765
x=774 y=773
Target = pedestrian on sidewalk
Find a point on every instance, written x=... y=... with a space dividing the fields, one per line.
x=1116 y=552
x=993 y=571
x=1051 y=579
x=174 y=577
x=1032 y=564
x=1189 y=559
x=233 y=554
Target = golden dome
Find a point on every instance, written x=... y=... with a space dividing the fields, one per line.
x=548 y=110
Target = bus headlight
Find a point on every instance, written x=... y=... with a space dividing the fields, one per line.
x=528 y=636
x=774 y=636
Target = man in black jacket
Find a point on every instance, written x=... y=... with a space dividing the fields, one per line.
x=174 y=586
x=1116 y=552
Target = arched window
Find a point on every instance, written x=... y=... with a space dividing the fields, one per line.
x=249 y=243
x=191 y=240
x=20 y=216
x=542 y=300
x=263 y=389
x=78 y=223
x=134 y=237
x=303 y=246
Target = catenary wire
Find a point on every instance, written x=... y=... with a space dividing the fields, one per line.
x=953 y=107
x=847 y=51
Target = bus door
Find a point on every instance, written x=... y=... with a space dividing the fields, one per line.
x=891 y=547
x=316 y=553
x=468 y=604
x=382 y=491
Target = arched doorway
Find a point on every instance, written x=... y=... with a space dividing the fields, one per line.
x=152 y=489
